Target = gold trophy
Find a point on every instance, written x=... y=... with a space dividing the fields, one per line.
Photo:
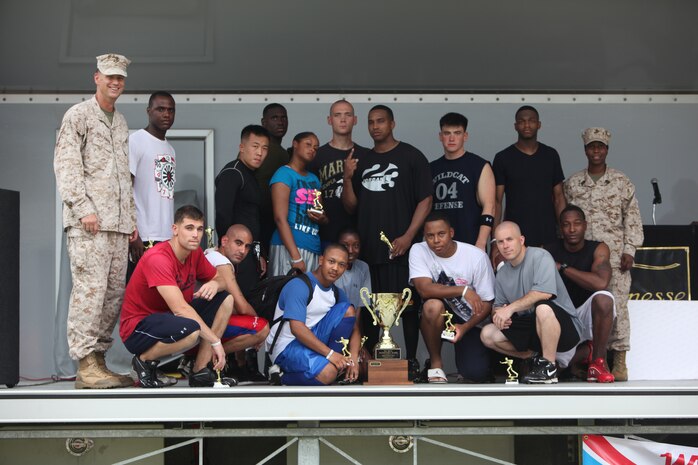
x=388 y=367
x=448 y=334
x=386 y=311
x=385 y=239
x=345 y=346
x=512 y=375
x=209 y=238
x=317 y=206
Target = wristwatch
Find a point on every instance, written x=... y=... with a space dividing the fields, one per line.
x=563 y=267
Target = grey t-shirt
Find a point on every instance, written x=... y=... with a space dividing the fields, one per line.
x=537 y=272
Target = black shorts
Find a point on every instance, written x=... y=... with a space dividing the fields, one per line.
x=393 y=278
x=169 y=328
x=522 y=332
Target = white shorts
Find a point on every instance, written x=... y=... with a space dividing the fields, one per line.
x=584 y=315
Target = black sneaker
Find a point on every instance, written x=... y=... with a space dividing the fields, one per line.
x=413 y=370
x=146 y=372
x=206 y=377
x=251 y=369
x=542 y=372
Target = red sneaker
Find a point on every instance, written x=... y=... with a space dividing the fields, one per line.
x=598 y=372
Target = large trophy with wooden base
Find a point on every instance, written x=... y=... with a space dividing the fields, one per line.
x=388 y=367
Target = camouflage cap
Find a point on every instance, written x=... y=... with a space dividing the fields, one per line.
x=112 y=63
x=596 y=135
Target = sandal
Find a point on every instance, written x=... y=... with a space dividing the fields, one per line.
x=436 y=376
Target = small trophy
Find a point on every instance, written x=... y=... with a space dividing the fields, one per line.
x=386 y=311
x=512 y=375
x=363 y=341
x=449 y=334
x=218 y=384
x=385 y=239
x=209 y=238
x=345 y=346
x=317 y=206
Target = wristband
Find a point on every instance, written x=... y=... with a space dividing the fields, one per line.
x=329 y=354
x=487 y=220
x=297 y=261
x=217 y=343
x=465 y=289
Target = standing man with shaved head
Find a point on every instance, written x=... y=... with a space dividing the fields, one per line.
x=152 y=164
x=328 y=166
x=390 y=189
x=529 y=174
x=99 y=218
x=533 y=315
x=275 y=121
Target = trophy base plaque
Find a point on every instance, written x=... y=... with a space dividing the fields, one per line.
x=449 y=336
x=511 y=381
x=382 y=372
x=394 y=353
x=315 y=210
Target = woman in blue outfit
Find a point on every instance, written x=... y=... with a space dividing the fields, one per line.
x=296 y=241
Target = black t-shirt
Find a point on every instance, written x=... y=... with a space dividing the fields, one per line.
x=388 y=187
x=580 y=260
x=528 y=182
x=238 y=198
x=455 y=193
x=328 y=166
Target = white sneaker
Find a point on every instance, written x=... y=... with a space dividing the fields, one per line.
x=275 y=375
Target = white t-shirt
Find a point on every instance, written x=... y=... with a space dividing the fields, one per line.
x=468 y=266
x=216 y=258
x=152 y=163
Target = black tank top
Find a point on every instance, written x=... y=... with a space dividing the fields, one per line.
x=581 y=260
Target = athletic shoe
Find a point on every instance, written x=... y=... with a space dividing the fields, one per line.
x=413 y=370
x=162 y=377
x=251 y=368
x=206 y=377
x=275 y=375
x=186 y=364
x=599 y=373
x=146 y=372
x=542 y=372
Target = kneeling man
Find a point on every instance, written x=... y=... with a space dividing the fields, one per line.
x=532 y=311
x=312 y=317
x=585 y=268
x=162 y=315
x=246 y=330
x=455 y=277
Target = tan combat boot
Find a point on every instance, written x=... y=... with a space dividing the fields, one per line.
x=620 y=369
x=91 y=376
x=125 y=380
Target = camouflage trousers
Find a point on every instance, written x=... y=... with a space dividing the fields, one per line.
x=98 y=267
x=620 y=288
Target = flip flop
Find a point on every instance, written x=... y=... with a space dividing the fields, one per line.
x=436 y=376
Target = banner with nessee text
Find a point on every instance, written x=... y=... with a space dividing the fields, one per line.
x=605 y=450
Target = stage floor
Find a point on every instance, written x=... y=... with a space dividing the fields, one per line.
x=60 y=403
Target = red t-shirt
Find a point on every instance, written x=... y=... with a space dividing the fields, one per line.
x=159 y=266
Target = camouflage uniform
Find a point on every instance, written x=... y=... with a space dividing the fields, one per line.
x=92 y=174
x=613 y=216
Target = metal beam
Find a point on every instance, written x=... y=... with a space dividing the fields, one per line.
x=286 y=431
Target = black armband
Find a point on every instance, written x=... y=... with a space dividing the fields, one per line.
x=487 y=220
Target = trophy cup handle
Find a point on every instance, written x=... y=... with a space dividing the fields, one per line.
x=406 y=297
x=366 y=298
